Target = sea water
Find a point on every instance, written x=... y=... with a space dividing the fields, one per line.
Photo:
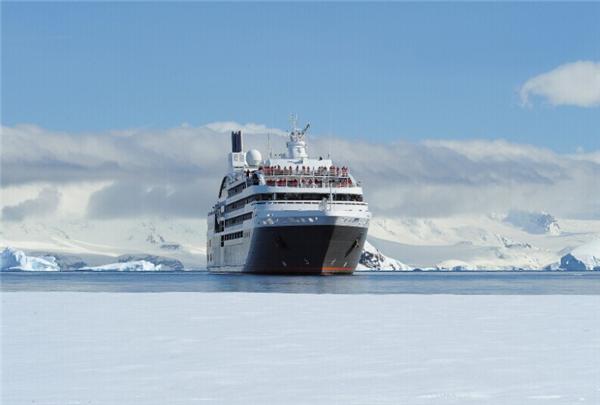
x=486 y=283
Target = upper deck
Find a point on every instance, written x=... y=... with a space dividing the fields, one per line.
x=304 y=177
x=291 y=176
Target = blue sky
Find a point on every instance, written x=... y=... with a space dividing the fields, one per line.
x=370 y=71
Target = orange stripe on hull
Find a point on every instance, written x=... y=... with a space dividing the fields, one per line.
x=305 y=270
x=336 y=269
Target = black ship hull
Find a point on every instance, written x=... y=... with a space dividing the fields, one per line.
x=305 y=250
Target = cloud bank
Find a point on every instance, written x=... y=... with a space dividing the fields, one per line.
x=576 y=84
x=44 y=204
x=176 y=172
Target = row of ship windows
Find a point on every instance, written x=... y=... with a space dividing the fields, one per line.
x=231 y=236
x=238 y=220
x=251 y=180
x=220 y=226
x=290 y=197
x=237 y=189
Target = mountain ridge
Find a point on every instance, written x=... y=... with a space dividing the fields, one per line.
x=462 y=242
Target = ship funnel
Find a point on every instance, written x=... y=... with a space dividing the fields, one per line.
x=237 y=159
x=236 y=141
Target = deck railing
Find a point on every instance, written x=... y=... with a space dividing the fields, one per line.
x=308 y=181
x=300 y=180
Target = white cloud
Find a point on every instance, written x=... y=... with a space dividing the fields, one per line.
x=576 y=83
x=249 y=128
x=176 y=172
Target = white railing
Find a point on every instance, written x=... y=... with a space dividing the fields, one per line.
x=307 y=181
x=309 y=202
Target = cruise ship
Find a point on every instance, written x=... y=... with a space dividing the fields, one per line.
x=286 y=214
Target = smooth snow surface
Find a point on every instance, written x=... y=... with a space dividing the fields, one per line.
x=184 y=348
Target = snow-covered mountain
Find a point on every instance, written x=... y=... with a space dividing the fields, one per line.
x=585 y=257
x=372 y=259
x=480 y=242
x=534 y=222
x=103 y=241
x=470 y=242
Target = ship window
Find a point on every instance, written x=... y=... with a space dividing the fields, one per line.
x=231 y=236
x=237 y=189
x=310 y=197
x=290 y=197
x=239 y=219
x=264 y=197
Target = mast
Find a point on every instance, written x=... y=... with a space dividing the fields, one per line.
x=297 y=143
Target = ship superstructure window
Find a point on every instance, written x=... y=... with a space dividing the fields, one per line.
x=231 y=236
x=236 y=205
x=238 y=220
x=315 y=197
x=290 y=197
x=237 y=189
x=347 y=197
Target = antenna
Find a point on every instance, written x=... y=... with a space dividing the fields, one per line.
x=305 y=129
x=296 y=145
x=269 y=144
x=294 y=122
x=329 y=136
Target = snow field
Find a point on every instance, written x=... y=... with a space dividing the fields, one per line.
x=238 y=348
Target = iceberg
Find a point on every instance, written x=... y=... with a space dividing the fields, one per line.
x=165 y=263
x=14 y=260
x=455 y=265
x=585 y=257
x=136 y=265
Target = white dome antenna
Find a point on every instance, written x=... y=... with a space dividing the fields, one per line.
x=253 y=158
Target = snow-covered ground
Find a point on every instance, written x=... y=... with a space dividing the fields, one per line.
x=236 y=348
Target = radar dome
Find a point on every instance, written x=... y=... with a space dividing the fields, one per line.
x=253 y=157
